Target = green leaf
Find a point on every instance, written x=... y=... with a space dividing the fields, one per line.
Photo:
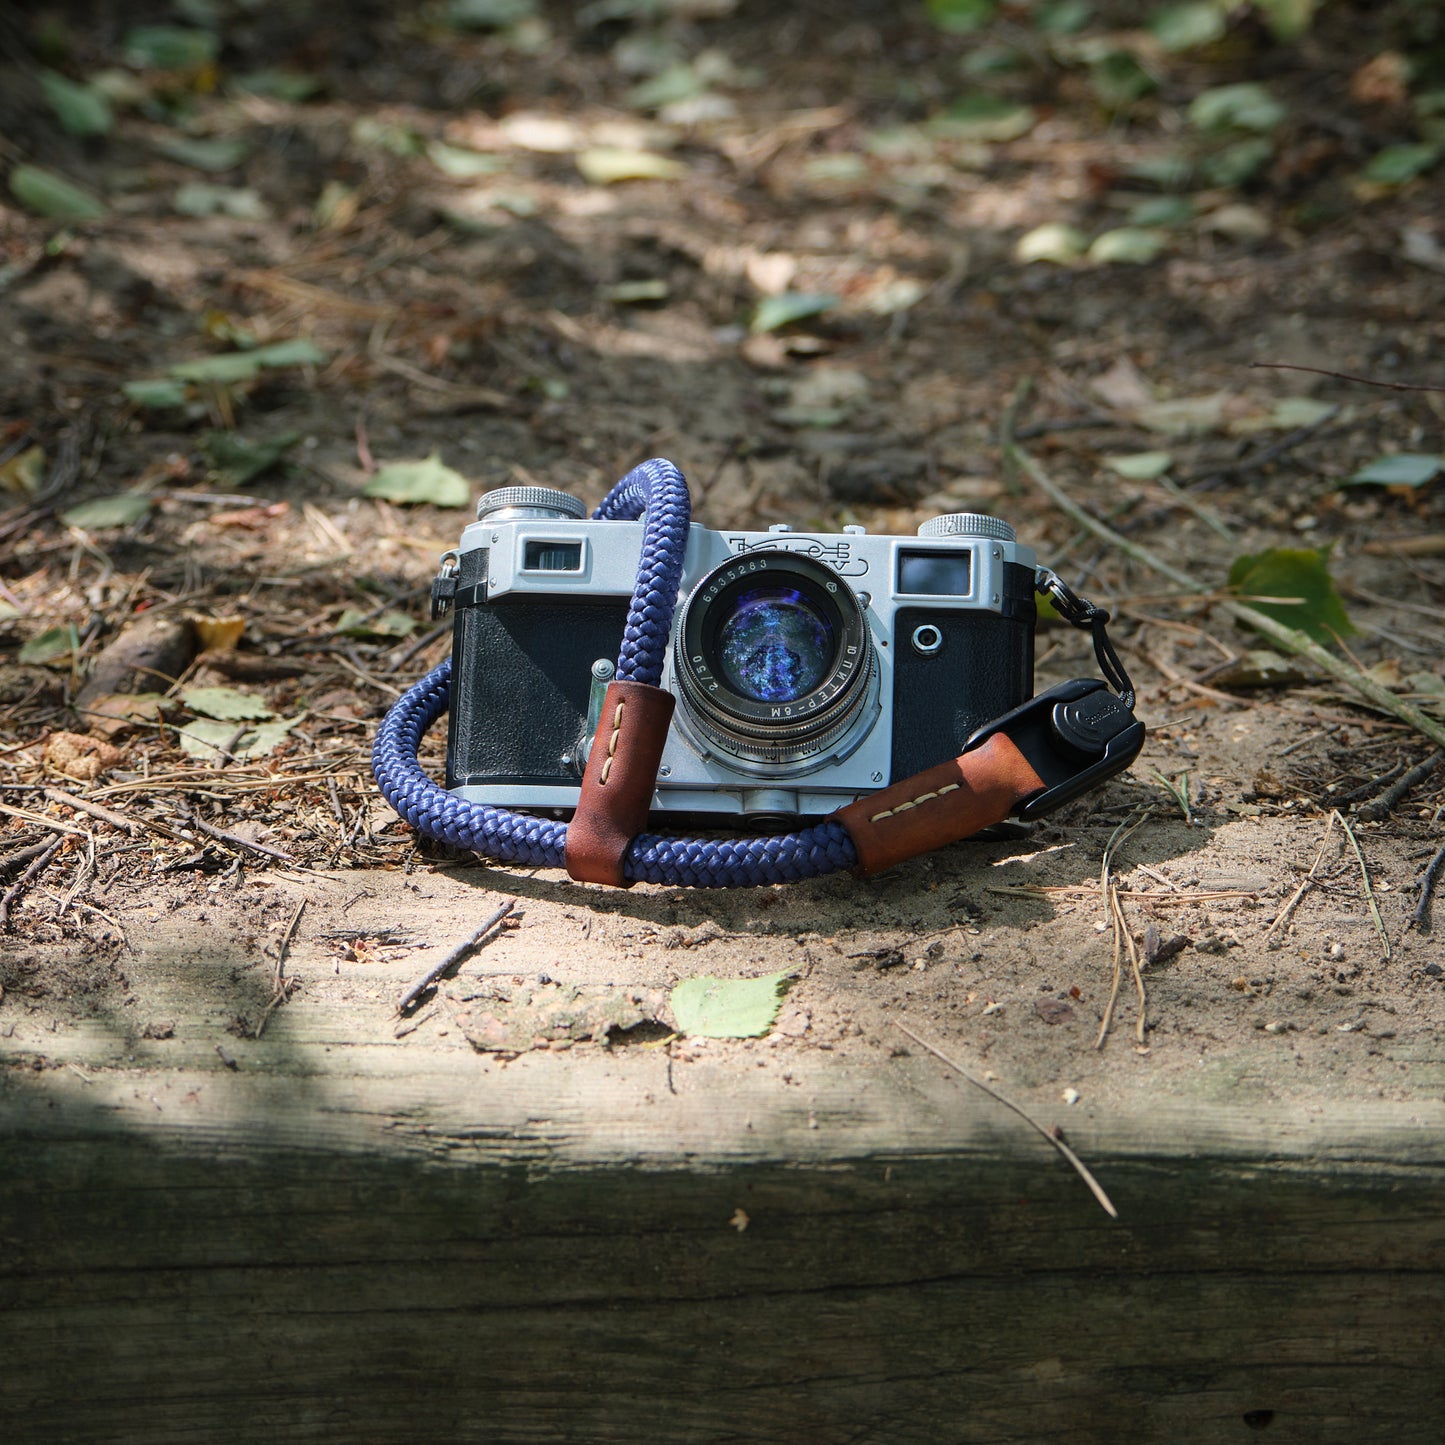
x=1162 y=211
x=1237 y=163
x=1300 y=579
x=1245 y=106
x=1063 y=17
x=1119 y=80
x=1185 y=27
x=204 y=154
x=1402 y=469
x=50 y=646
x=232 y=366
x=425 y=481
x=236 y=460
x=960 y=17
x=288 y=85
x=1395 y=165
x=170 y=47
x=1127 y=245
x=462 y=164
x=1140 y=466
x=121 y=510
x=605 y=165
x=205 y=739
x=52 y=196
x=1183 y=415
x=1288 y=19
x=81 y=109
x=200 y=198
x=155 y=393
x=355 y=623
x=225 y=703
x=1055 y=241
x=984 y=117
x=776 y=311
x=727 y=1008
x=489 y=14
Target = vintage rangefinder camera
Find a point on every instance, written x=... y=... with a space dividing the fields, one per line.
x=809 y=668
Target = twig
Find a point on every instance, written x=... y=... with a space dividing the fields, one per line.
x=1369 y=892
x=1290 y=638
x=24 y=855
x=1306 y=883
x=83 y=805
x=1265 y=455
x=1421 y=916
x=235 y=839
x=426 y=980
x=1109 y=892
x=1344 y=376
x=26 y=878
x=1080 y=1167
x=1380 y=808
x=280 y=987
x=54 y=824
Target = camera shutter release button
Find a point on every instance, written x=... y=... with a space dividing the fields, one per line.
x=1087 y=723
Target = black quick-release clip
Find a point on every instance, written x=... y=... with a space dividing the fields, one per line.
x=1079 y=733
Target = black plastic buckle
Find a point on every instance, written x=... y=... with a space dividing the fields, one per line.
x=1074 y=735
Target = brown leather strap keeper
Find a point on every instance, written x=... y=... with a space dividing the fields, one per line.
x=941 y=805
x=618 y=785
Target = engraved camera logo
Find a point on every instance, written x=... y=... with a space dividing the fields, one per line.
x=837 y=555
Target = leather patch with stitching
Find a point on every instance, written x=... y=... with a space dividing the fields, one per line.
x=941 y=805
x=619 y=782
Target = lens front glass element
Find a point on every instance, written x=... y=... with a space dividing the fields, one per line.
x=775 y=645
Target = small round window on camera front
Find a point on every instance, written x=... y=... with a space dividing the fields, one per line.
x=927 y=639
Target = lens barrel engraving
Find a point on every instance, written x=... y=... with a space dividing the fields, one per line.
x=773 y=658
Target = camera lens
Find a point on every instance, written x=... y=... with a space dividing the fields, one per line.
x=775 y=646
x=773 y=660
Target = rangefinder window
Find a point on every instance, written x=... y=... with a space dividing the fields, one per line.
x=935 y=574
x=552 y=557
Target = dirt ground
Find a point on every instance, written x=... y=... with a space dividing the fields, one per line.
x=530 y=321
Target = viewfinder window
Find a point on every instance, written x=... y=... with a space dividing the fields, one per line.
x=552 y=557
x=935 y=574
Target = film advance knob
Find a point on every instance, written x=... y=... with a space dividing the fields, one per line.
x=512 y=504
x=967 y=524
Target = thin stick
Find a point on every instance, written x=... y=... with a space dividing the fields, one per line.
x=1265 y=455
x=1380 y=808
x=84 y=805
x=1282 y=917
x=1080 y=1167
x=1108 y=892
x=54 y=824
x=1290 y=638
x=1369 y=892
x=1344 y=376
x=280 y=991
x=426 y=980
x=236 y=841
x=27 y=877
x=1421 y=916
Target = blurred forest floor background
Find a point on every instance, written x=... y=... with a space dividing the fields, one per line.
x=283 y=287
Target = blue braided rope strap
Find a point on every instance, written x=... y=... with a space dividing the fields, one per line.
x=656 y=490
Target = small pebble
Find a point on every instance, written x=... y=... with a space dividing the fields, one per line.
x=1071 y=1096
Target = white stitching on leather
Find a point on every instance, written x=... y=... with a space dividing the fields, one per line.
x=914 y=802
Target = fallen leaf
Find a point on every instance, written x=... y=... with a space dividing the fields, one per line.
x=1140 y=466
x=81 y=109
x=24 y=472
x=984 y=117
x=170 y=47
x=1293 y=586
x=1128 y=245
x=218 y=634
x=232 y=366
x=1187 y=27
x=605 y=165
x=202 y=153
x=430 y=480
x=155 y=394
x=727 y=1008
x=1259 y=667
x=122 y=510
x=52 y=196
x=236 y=460
x=1397 y=164
x=225 y=703
x=774 y=312
x=1184 y=415
x=353 y=623
x=118 y=712
x=462 y=164
x=1242 y=106
x=240 y=203
x=1401 y=469
x=52 y=645
x=1055 y=241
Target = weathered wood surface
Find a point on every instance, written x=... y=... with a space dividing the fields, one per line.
x=349 y=1237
